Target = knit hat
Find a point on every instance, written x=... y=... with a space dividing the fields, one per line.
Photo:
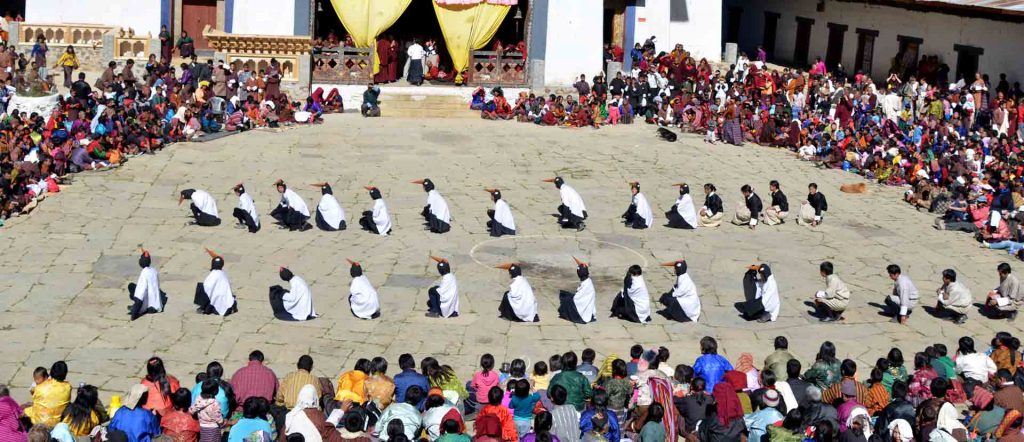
x=770 y=398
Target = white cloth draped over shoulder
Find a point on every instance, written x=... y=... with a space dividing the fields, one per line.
x=503 y=214
x=685 y=209
x=331 y=211
x=448 y=292
x=585 y=300
x=205 y=203
x=298 y=301
x=147 y=289
x=522 y=299
x=768 y=293
x=381 y=217
x=643 y=208
x=572 y=199
x=218 y=289
x=363 y=297
x=438 y=206
x=640 y=297
x=291 y=199
x=685 y=291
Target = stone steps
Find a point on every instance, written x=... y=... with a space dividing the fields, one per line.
x=426 y=106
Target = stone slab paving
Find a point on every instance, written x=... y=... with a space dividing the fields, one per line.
x=63 y=278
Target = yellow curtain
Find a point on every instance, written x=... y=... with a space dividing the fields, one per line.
x=467 y=28
x=366 y=19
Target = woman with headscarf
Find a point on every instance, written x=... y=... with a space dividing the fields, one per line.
x=762 y=295
x=307 y=419
x=728 y=411
x=900 y=431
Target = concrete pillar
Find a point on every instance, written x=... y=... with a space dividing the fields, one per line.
x=108 y=51
x=730 y=53
x=14 y=32
x=154 y=47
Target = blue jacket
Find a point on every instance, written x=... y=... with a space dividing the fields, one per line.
x=711 y=368
x=407 y=379
x=613 y=434
x=140 y=424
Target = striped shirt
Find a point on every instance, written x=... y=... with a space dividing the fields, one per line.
x=835 y=392
x=292 y=383
x=254 y=380
x=565 y=423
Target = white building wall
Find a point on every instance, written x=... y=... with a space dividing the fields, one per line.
x=265 y=17
x=701 y=33
x=939 y=31
x=573 y=45
x=141 y=15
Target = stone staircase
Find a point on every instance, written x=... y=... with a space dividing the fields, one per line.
x=425 y=106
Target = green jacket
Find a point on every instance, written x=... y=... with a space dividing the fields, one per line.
x=776 y=362
x=576 y=385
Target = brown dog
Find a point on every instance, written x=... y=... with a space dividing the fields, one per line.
x=854 y=188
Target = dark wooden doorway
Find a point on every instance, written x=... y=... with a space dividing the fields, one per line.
x=803 y=41
x=195 y=15
x=967 y=61
x=865 y=51
x=771 y=31
x=732 y=30
x=834 y=50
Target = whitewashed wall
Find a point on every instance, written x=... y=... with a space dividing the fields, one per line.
x=573 y=41
x=141 y=15
x=701 y=33
x=265 y=17
x=940 y=32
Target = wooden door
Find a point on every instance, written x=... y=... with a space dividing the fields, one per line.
x=803 y=43
x=834 y=50
x=771 y=29
x=195 y=15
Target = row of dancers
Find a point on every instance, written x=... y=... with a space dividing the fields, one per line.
x=214 y=295
x=293 y=213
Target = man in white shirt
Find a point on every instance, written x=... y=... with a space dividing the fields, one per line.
x=415 y=53
x=971 y=364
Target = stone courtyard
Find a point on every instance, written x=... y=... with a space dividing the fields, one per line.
x=64 y=274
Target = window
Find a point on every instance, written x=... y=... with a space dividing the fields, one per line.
x=677 y=11
x=865 y=50
x=803 y=41
x=771 y=30
x=834 y=51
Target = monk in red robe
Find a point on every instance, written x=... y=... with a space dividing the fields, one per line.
x=383 y=49
x=393 y=61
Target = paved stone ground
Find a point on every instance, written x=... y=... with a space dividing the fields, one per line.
x=63 y=278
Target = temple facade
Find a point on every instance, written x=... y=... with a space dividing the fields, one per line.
x=562 y=38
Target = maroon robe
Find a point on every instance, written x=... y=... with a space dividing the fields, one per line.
x=383 y=47
x=393 y=62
